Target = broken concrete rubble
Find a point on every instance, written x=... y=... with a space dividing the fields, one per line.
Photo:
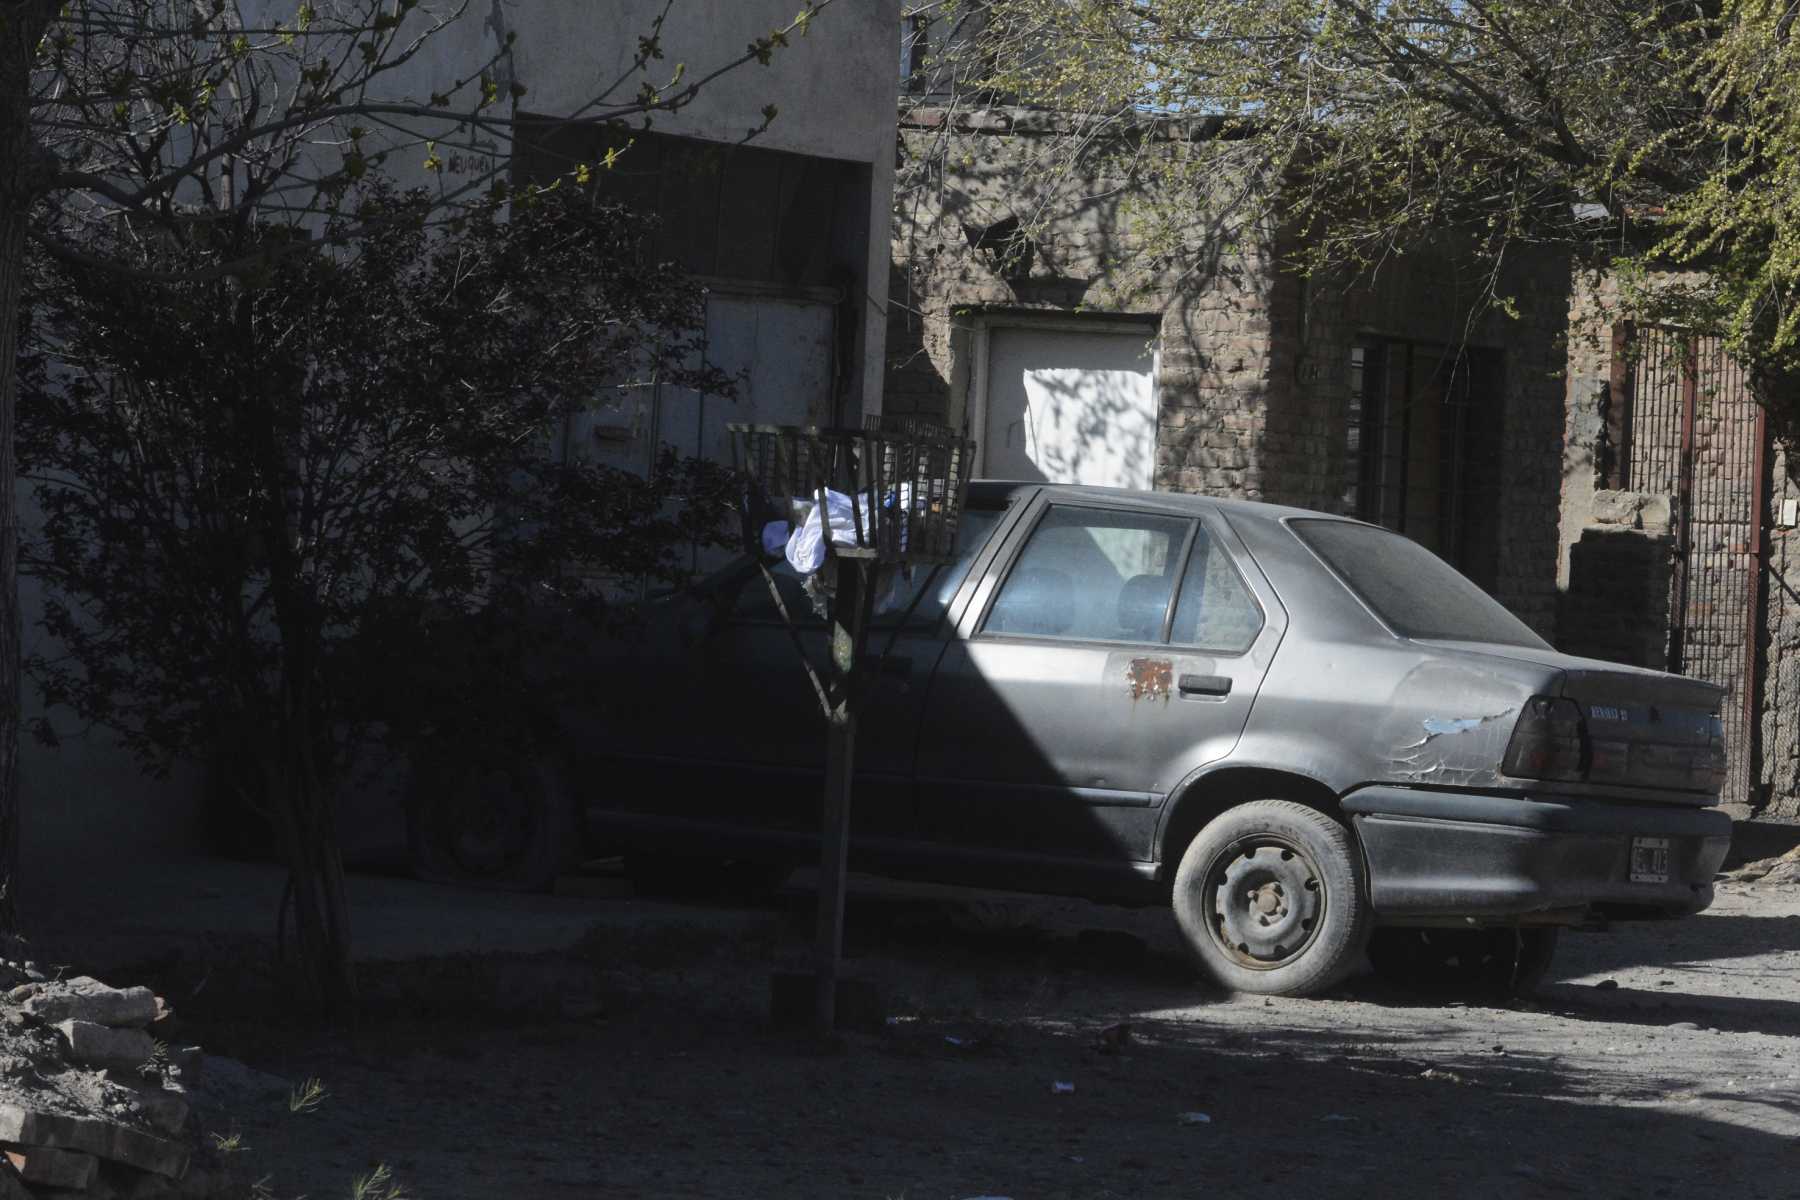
x=163 y=1108
x=86 y=999
x=102 y=1138
x=102 y=1046
x=93 y=1105
x=1782 y=868
x=69 y=1169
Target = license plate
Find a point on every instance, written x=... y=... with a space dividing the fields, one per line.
x=1649 y=860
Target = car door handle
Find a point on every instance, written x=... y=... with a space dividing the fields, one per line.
x=1205 y=685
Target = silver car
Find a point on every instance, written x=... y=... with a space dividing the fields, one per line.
x=1308 y=735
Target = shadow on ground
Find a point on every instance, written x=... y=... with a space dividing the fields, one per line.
x=679 y=1097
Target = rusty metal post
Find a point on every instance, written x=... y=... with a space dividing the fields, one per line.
x=1756 y=578
x=849 y=627
x=1684 y=490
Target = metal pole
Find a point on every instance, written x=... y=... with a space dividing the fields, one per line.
x=1684 y=490
x=1750 y=749
x=850 y=620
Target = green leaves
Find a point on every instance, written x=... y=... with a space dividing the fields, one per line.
x=1372 y=129
x=763 y=48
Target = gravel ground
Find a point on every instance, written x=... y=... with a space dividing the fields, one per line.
x=1659 y=1058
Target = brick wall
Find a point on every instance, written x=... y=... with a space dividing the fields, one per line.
x=1616 y=605
x=1779 y=700
x=1253 y=382
x=1210 y=306
x=1773 y=788
x=1422 y=298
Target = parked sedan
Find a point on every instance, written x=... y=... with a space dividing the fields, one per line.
x=1308 y=735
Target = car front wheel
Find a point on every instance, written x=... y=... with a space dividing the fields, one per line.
x=1270 y=897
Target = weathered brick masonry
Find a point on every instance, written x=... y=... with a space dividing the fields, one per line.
x=1253 y=383
x=1623 y=588
x=1779 y=703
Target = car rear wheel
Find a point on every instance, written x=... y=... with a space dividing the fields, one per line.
x=1494 y=962
x=1270 y=897
x=507 y=827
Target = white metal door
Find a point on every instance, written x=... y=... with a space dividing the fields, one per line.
x=778 y=350
x=1067 y=406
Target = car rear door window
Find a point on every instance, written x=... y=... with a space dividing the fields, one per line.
x=1092 y=575
x=1216 y=610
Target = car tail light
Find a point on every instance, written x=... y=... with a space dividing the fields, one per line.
x=1709 y=764
x=1547 y=741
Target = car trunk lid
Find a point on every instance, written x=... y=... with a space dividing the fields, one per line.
x=1650 y=731
x=1640 y=729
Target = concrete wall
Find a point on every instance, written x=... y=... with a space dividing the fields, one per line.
x=832 y=89
x=86 y=802
x=1253 y=371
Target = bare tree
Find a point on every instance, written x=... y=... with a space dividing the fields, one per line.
x=195 y=120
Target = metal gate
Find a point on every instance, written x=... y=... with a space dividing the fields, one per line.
x=1691 y=431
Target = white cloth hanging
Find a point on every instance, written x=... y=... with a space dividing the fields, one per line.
x=805 y=541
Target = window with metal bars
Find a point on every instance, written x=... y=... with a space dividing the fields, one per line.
x=1422 y=448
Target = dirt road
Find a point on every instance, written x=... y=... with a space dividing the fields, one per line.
x=1660 y=1059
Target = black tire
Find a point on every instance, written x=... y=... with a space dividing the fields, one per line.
x=506 y=828
x=1271 y=897
x=1497 y=962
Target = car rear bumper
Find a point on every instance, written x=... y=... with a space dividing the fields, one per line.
x=1456 y=854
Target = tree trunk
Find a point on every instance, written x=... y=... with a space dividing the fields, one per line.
x=22 y=25
x=301 y=818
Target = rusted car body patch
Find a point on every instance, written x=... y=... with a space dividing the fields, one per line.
x=1150 y=678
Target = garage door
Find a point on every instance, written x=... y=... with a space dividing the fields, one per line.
x=1069 y=406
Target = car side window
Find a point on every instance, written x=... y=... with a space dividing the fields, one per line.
x=1216 y=610
x=1092 y=575
x=972 y=531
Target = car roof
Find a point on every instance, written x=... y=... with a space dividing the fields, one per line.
x=996 y=493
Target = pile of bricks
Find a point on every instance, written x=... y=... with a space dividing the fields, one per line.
x=94 y=1093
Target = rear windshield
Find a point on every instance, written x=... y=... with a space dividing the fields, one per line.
x=1415 y=592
